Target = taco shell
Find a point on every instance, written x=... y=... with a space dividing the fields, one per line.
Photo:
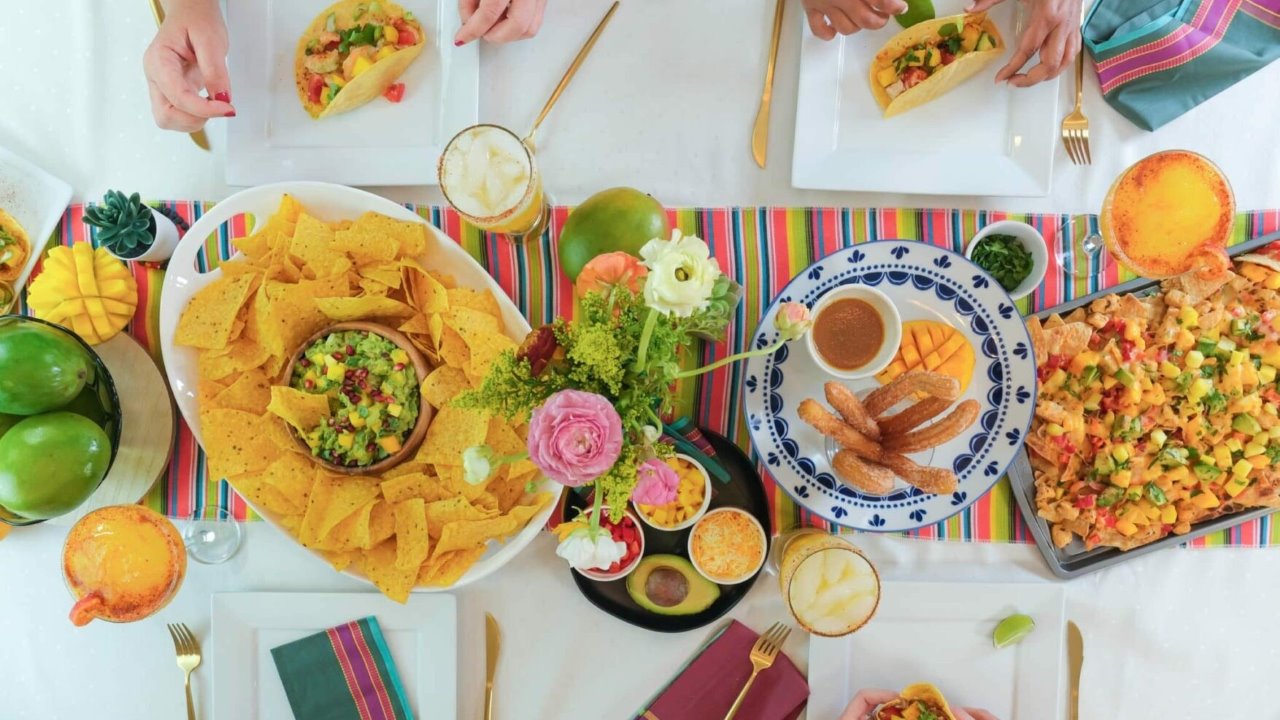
x=13 y=255
x=945 y=78
x=907 y=706
x=369 y=84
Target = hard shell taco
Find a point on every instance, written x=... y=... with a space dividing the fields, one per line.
x=353 y=52
x=921 y=701
x=930 y=58
x=15 y=248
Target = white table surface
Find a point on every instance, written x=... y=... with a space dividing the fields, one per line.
x=665 y=104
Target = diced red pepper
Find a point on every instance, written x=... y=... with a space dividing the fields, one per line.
x=315 y=88
x=1084 y=502
x=1128 y=350
x=394 y=93
x=1106 y=518
x=1097 y=443
x=1271 y=396
x=913 y=76
x=407 y=37
x=947 y=57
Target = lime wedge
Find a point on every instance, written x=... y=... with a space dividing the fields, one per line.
x=1012 y=629
x=917 y=11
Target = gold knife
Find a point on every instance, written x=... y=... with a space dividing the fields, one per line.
x=198 y=137
x=492 y=646
x=760 y=133
x=1075 y=657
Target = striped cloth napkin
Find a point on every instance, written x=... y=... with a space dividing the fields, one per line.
x=343 y=673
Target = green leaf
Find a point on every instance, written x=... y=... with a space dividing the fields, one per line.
x=1155 y=494
x=917 y=12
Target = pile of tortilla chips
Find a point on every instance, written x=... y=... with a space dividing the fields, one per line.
x=420 y=523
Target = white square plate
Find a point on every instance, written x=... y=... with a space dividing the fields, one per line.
x=35 y=199
x=422 y=635
x=273 y=139
x=978 y=139
x=941 y=633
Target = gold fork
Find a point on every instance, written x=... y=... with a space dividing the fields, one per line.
x=763 y=653
x=188 y=650
x=1075 y=127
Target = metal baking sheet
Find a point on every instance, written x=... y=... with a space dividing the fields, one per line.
x=1074 y=560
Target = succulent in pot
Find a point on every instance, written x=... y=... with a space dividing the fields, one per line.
x=131 y=229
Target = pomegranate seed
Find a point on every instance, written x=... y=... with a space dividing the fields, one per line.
x=399 y=366
x=304 y=363
x=339 y=356
x=309 y=384
x=350 y=350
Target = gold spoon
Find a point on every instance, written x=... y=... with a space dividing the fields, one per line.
x=568 y=74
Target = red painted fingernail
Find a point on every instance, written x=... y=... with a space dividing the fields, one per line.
x=222 y=97
x=457 y=43
x=230 y=114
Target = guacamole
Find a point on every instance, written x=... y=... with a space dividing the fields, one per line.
x=373 y=396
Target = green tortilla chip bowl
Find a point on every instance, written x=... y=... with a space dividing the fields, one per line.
x=415 y=437
x=98 y=402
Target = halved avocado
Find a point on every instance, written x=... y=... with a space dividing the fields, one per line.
x=669 y=585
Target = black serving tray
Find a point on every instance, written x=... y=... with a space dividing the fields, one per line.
x=744 y=490
x=1073 y=560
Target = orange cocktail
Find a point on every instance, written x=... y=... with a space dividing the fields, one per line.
x=1170 y=213
x=122 y=563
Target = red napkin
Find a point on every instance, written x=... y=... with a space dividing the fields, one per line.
x=708 y=685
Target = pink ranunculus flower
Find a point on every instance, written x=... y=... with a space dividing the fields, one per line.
x=793 y=320
x=575 y=437
x=656 y=483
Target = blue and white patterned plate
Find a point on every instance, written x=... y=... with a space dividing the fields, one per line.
x=925 y=282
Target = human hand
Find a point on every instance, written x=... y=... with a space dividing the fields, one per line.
x=828 y=17
x=867 y=700
x=188 y=53
x=499 y=21
x=1053 y=28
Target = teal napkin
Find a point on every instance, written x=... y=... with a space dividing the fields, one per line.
x=343 y=673
x=1157 y=59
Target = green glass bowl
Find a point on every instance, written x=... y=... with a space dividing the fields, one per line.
x=99 y=397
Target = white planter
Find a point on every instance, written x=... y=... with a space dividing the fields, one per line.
x=162 y=247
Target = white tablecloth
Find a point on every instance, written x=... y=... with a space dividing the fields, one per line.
x=665 y=104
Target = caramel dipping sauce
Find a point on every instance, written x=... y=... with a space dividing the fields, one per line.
x=848 y=333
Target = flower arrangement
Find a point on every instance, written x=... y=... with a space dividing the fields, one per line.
x=595 y=388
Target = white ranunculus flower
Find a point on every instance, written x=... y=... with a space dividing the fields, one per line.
x=585 y=550
x=477 y=464
x=651 y=434
x=681 y=274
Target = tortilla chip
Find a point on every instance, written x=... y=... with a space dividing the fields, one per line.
x=445 y=570
x=379 y=564
x=344 y=309
x=382 y=522
x=1068 y=339
x=292 y=474
x=339 y=559
x=451 y=433
x=444 y=384
x=413 y=544
x=463 y=535
x=251 y=392
x=312 y=245
x=334 y=498
x=234 y=442
x=209 y=317
x=366 y=245
x=388 y=274
x=254 y=489
x=414 y=485
x=453 y=350
x=455 y=509
x=424 y=290
x=407 y=468
x=479 y=300
x=303 y=410
x=502 y=438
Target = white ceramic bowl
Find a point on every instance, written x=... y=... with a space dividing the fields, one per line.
x=745 y=576
x=892 y=330
x=623 y=572
x=1031 y=239
x=706 y=501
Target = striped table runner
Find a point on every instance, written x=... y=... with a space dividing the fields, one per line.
x=761 y=248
